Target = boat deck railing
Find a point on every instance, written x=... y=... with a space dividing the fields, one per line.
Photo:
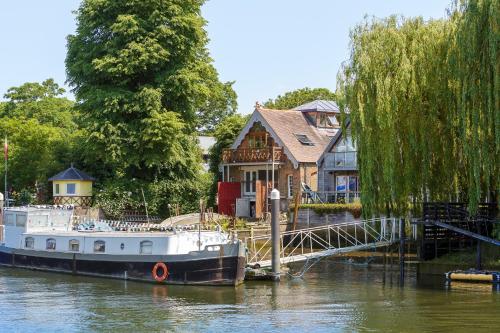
x=85 y=223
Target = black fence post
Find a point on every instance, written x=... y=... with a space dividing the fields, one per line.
x=402 y=236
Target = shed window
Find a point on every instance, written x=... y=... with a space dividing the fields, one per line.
x=71 y=188
x=51 y=244
x=57 y=188
x=304 y=139
x=99 y=246
x=74 y=245
x=29 y=242
x=146 y=247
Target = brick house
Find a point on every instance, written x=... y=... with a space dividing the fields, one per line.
x=338 y=177
x=286 y=141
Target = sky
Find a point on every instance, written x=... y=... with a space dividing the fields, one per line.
x=268 y=47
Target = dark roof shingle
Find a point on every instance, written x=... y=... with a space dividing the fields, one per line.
x=71 y=173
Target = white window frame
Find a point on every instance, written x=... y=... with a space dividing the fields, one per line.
x=253 y=179
x=103 y=246
x=57 y=188
x=32 y=241
x=67 y=189
x=50 y=241
x=289 y=182
x=72 y=242
x=146 y=244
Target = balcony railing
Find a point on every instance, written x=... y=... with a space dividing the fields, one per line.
x=252 y=155
x=341 y=161
x=339 y=196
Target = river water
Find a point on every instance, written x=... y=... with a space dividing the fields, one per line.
x=333 y=297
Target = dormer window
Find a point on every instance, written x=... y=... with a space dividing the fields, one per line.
x=333 y=120
x=304 y=139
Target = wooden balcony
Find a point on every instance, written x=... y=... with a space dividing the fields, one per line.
x=252 y=155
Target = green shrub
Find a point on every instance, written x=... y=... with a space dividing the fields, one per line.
x=329 y=208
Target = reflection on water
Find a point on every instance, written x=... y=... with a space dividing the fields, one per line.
x=332 y=297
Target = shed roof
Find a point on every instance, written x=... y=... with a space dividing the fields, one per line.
x=71 y=173
x=319 y=105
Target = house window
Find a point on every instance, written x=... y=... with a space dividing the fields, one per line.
x=290 y=186
x=347 y=183
x=71 y=188
x=146 y=247
x=57 y=188
x=341 y=184
x=50 y=244
x=99 y=246
x=250 y=178
x=74 y=245
x=29 y=242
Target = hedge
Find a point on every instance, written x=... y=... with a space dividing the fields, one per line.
x=329 y=208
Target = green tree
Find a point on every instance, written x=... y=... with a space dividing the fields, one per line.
x=225 y=133
x=298 y=97
x=423 y=101
x=144 y=82
x=40 y=101
x=42 y=133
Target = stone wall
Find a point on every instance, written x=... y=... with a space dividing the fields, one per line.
x=309 y=218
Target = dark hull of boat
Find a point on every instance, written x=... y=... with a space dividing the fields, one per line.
x=222 y=270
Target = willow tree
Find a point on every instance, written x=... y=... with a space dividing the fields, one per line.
x=423 y=132
x=475 y=64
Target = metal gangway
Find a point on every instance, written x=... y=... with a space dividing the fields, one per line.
x=312 y=244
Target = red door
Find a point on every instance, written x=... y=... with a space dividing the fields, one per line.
x=227 y=193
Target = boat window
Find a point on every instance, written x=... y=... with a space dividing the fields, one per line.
x=51 y=244
x=20 y=220
x=71 y=188
x=9 y=219
x=99 y=246
x=146 y=247
x=74 y=245
x=29 y=242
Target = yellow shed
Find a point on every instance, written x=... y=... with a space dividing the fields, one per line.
x=72 y=187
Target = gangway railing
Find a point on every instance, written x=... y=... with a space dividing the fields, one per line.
x=317 y=242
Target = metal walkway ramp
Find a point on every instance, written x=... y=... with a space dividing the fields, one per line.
x=319 y=242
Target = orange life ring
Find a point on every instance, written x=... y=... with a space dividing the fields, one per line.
x=164 y=275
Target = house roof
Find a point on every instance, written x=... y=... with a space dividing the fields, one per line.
x=284 y=125
x=319 y=105
x=71 y=173
x=206 y=142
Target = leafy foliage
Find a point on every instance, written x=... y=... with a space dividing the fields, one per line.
x=298 y=97
x=144 y=82
x=42 y=132
x=425 y=130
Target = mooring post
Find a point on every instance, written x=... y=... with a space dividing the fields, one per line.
x=478 y=257
x=402 y=236
x=275 y=233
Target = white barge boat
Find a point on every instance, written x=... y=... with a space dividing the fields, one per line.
x=47 y=239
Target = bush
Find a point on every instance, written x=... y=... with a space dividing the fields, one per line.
x=329 y=208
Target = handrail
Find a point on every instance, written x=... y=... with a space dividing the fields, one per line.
x=297 y=245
